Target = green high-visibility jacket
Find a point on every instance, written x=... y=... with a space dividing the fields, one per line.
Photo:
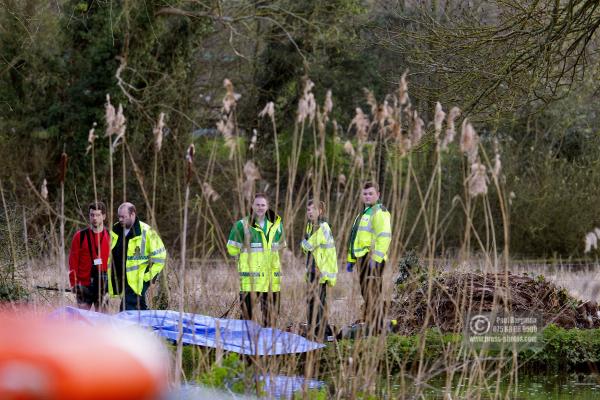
x=320 y=243
x=371 y=233
x=146 y=257
x=259 y=266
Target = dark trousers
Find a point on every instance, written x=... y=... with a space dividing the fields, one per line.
x=371 y=289
x=317 y=308
x=93 y=295
x=131 y=301
x=269 y=304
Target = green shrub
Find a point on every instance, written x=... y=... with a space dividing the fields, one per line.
x=560 y=350
x=12 y=291
x=232 y=374
x=13 y=255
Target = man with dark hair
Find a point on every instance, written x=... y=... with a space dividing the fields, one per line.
x=256 y=241
x=88 y=259
x=138 y=256
x=368 y=245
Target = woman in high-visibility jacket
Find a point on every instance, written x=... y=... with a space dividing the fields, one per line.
x=256 y=241
x=321 y=265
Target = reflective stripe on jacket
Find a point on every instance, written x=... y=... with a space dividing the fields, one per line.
x=322 y=246
x=373 y=234
x=146 y=257
x=259 y=266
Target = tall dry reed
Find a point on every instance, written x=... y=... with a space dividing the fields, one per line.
x=390 y=145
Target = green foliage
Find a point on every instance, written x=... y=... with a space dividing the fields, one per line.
x=13 y=255
x=312 y=394
x=559 y=350
x=191 y=357
x=206 y=145
x=12 y=291
x=60 y=60
x=408 y=265
x=403 y=350
x=563 y=349
x=551 y=166
x=63 y=62
x=31 y=84
x=232 y=374
x=328 y=47
x=225 y=375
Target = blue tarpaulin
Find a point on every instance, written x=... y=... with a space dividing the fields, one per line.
x=238 y=336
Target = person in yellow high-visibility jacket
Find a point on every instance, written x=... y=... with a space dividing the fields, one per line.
x=256 y=241
x=368 y=246
x=138 y=256
x=321 y=265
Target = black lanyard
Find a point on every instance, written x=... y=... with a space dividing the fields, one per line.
x=89 y=236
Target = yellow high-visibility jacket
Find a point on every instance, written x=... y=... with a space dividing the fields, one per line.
x=146 y=257
x=259 y=266
x=371 y=233
x=322 y=246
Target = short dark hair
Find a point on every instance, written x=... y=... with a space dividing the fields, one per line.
x=97 y=205
x=263 y=196
x=371 y=184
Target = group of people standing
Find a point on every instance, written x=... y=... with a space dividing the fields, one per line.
x=128 y=259
x=256 y=240
x=123 y=262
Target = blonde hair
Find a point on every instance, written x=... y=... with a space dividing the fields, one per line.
x=320 y=206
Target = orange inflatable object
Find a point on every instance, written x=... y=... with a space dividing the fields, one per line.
x=58 y=359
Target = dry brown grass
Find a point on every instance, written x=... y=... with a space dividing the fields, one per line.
x=582 y=281
x=212 y=286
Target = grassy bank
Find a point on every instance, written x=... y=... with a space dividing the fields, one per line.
x=558 y=350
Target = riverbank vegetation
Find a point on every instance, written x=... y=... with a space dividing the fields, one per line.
x=558 y=351
x=478 y=123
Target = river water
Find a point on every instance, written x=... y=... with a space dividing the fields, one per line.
x=575 y=386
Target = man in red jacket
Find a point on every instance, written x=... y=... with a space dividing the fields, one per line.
x=88 y=259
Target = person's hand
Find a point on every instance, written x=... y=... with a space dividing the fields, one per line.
x=374 y=264
x=350 y=267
